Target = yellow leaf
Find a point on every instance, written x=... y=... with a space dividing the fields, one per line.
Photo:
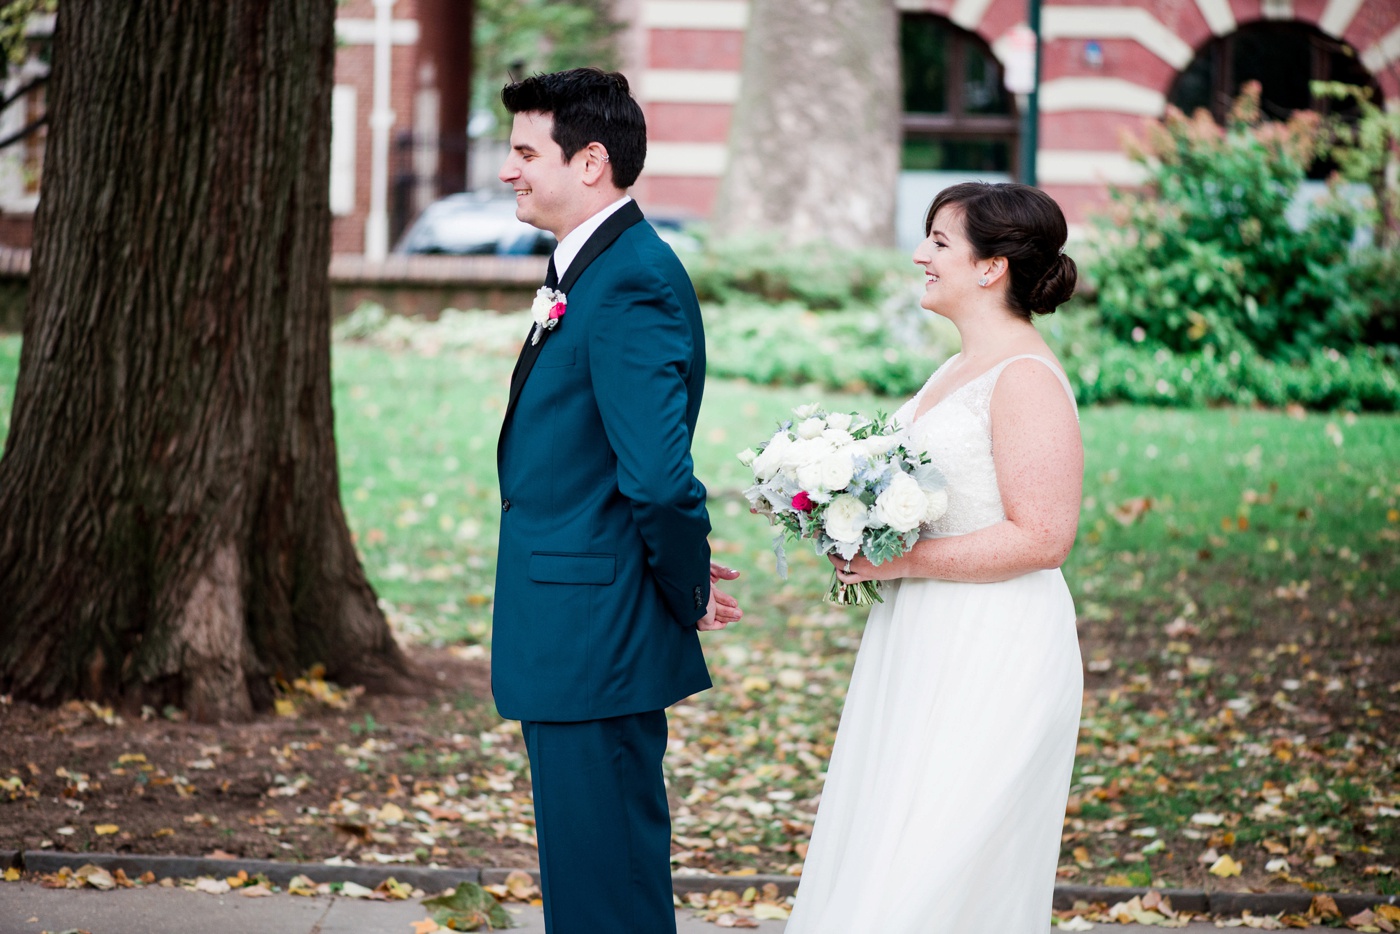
x=130 y=757
x=391 y=813
x=285 y=707
x=12 y=874
x=1118 y=880
x=164 y=832
x=521 y=885
x=105 y=830
x=764 y=911
x=426 y=926
x=1224 y=867
x=301 y=885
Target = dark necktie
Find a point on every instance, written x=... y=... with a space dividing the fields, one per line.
x=551 y=278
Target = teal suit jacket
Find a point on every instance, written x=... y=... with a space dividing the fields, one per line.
x=603 y=565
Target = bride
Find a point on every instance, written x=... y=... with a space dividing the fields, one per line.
x=945 y=796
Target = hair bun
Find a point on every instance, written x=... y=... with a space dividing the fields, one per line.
x=1056 y=285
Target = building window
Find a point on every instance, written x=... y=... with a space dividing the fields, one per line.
x=958 y=116
x=1285 y=58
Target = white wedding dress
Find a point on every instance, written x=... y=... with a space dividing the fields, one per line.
x=945 y=795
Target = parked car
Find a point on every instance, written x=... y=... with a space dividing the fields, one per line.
x=472 y=224
x=476 y=223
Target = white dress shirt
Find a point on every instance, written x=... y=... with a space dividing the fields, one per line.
x=574 y=240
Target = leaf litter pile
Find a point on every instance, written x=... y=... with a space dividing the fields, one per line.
x=1241 y=724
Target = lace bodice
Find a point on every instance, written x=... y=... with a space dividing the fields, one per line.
x=957 y=432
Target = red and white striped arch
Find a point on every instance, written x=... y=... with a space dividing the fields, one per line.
x=688 y=54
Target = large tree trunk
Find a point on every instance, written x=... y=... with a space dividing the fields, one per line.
x=814 y=146
x=170 y=521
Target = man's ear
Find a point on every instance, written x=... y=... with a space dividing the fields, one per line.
x=595 y=164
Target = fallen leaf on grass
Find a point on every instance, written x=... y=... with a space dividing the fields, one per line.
x=105 y=830
x=1224 y=867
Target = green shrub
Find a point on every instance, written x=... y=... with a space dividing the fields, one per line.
x=1204 y=255
x=815 y=275
x=890 y=350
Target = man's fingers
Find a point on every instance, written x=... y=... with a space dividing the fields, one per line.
x=720 y=572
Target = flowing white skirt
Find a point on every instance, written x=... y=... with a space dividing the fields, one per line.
x=945 y=796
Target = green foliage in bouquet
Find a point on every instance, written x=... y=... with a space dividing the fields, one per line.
x=1205 y=255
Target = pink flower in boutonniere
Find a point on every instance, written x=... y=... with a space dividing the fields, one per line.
x=547 y=308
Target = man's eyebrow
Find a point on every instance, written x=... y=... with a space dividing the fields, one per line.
x=523 y=147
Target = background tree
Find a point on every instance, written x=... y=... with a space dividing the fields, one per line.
x=529 y=36
x=16 y=47
x=170 y=522
x=814 y=145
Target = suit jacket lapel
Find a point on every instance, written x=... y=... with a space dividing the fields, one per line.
x=612 y=228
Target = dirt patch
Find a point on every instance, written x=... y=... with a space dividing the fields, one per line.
x=312 y=783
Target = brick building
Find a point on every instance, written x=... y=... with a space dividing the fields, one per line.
x=1106 y=65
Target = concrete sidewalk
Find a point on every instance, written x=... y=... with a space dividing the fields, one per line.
x=27 y=908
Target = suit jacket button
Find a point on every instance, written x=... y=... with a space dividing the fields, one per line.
x=505 y=505
x=699 y=599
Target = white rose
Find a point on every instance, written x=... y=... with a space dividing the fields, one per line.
x=845 y=519
x=746 y=456
x=902 y=505
x=770 y=461
x=811 y=428
x=837 y=470
x=840 y=420
x=804 y=451
x=809 y=476
x=936 y=505
x=880 y=445
x=837 y=436
x=808 y=410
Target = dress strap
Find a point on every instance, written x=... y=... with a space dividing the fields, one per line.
x=1064 y=380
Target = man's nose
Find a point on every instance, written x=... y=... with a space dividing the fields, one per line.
x=508 y=172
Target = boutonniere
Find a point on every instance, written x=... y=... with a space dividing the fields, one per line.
x=548 y=307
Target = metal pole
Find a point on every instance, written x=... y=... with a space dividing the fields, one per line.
x=1030 y=116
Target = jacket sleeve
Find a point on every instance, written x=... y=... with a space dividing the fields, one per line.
x=641 y=351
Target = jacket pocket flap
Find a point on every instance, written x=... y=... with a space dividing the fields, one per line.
x=547 y=360
x=556 y=568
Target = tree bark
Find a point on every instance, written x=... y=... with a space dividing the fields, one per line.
x=814 y=144
x=170 y=520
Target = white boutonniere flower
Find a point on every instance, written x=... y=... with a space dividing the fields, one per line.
x=548 y=307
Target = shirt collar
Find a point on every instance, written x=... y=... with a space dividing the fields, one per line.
x=568 y=248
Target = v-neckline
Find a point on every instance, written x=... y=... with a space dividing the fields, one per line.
x=919 y=396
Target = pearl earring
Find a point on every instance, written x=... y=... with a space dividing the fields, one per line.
x=982 y=281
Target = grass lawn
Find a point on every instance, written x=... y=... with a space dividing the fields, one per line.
x=1235 y=574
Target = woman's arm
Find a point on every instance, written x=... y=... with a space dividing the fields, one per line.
x=1039 y=460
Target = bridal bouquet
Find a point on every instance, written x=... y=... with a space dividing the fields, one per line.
x=849 y=484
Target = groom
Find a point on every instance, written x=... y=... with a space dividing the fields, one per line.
x=604 y=573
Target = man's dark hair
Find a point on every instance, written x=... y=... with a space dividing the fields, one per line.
x=588 y=105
